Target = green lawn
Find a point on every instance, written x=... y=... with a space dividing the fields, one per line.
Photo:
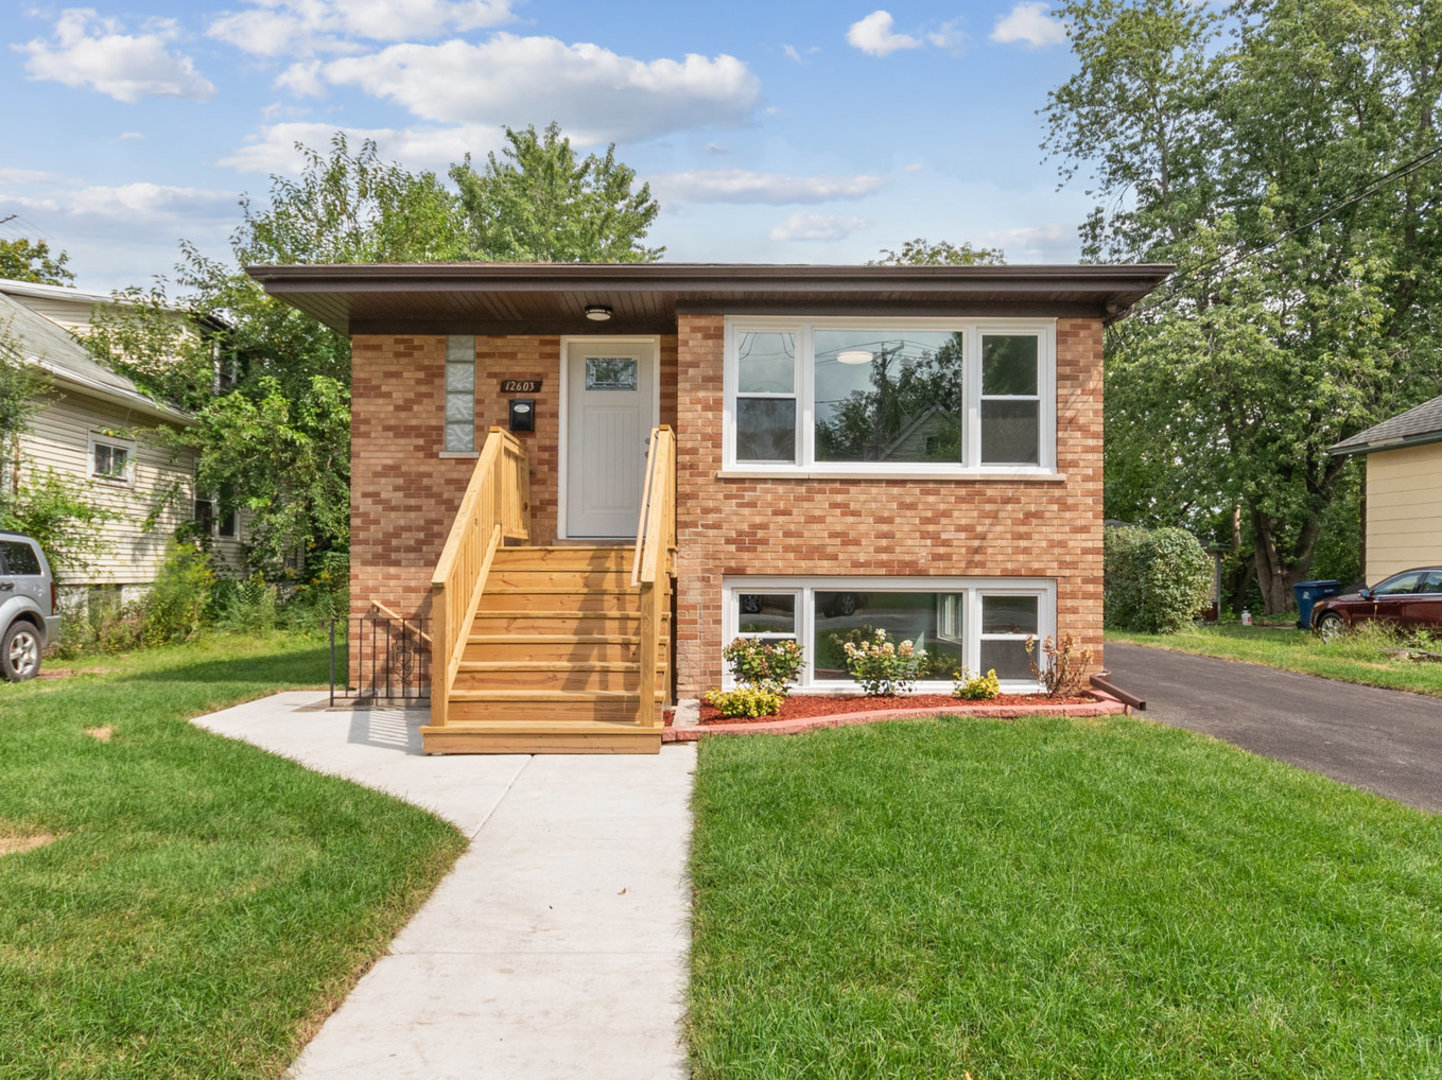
x=1054 y=898
x=1356 y=658
x=205 y=904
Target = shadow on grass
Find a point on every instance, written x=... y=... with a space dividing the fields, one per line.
x=303 y=667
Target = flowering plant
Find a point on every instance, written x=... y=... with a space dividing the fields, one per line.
x=745 y=702
x=970 y=686
x=882 y=668
x=766 y=665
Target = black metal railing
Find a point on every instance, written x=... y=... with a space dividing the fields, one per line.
x=380 y=659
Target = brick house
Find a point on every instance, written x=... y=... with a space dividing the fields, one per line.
x=915 y=449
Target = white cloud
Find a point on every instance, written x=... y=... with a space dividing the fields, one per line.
x=126 y=136
x=302 y=79
x=304 y=27
x=1031 y=24
x=791 y=53
x=948 y=35
x=273 y=149
x=595 y=94
x=1035 y=243
x=874 y=35
x=138 y=202
x=743 y=186
x=27 y=176
x=717 y=150
x=803 y=226
x=87 y=50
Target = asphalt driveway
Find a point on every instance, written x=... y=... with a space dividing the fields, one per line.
x=1382 y=740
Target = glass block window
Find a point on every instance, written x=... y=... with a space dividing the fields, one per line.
x=460 y=422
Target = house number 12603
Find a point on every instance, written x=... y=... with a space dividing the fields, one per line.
x=520 y=386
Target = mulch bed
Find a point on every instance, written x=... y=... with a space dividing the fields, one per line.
x=800 y=706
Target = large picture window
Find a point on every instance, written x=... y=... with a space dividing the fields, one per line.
x=861 y=396
x=975 y=623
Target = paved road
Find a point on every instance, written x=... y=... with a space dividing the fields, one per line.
x=1383 y=740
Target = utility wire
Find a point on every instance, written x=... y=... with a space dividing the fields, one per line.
x=1406 y=169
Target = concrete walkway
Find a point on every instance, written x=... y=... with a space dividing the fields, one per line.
x=555 y=948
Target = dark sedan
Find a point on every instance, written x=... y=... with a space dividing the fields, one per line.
x=1411 y=598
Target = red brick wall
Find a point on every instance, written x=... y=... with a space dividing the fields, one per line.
x=404 y=495
x=1014 y=528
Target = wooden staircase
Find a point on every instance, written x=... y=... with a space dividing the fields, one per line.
x=552 y=662
x=550 y=645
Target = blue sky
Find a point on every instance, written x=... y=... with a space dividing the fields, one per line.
x=796 y=132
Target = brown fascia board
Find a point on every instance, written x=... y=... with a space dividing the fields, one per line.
x=1109 y=289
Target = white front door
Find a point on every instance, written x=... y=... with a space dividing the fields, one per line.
x=610 y=411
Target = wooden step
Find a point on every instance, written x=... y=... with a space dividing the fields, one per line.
x=587 y=623
x=524 y=707
x=547 y=675
x=565 y=558
x=537 y=647
x=561 y=600
x=581 y=738
x=505 y=579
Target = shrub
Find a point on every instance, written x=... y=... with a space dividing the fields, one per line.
x=173 y=608
x=745 y=702
x=973 y=687
x=1157 y=580
x=764 y=665
x=251 y=606
x=1061 y=667
x=884 y=669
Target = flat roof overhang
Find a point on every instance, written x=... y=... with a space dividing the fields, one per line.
x=551 y=298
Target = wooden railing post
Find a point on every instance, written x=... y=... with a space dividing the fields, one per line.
x=652 y=566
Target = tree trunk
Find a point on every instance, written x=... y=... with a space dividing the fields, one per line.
x=1274 y=577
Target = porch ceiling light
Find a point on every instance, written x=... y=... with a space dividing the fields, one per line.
x=854 y=356
x=598 y=312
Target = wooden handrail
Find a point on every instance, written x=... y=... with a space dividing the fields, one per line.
x=495 y=508
x=652 y=565
x=405 y=623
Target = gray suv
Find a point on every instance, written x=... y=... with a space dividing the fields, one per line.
x=29 y=606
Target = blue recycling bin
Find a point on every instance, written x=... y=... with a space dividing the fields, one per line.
x=1307 y=594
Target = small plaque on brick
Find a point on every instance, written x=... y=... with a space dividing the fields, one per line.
x=520 y=386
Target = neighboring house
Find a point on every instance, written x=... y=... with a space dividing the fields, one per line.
x=1402 y=525
x=89 y=427
x=791 y=519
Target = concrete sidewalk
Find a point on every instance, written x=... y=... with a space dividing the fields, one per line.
x=557 y=945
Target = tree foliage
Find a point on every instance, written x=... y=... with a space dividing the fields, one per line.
x=921 y=252
x=1276 y=151
x=25 y=260
x=278 y=444
x=538 y=203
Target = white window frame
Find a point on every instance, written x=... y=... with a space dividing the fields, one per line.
x=805 y=588
x=970 y=466
x=113 y=443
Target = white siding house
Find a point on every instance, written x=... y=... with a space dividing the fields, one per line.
x=91 y=427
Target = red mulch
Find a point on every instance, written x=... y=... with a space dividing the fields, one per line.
x=802 y=705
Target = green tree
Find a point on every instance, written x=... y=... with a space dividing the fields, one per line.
x=24 y=260
x=1277 y=152
x=279 y=445
x=538 y=203
x=921 y=252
